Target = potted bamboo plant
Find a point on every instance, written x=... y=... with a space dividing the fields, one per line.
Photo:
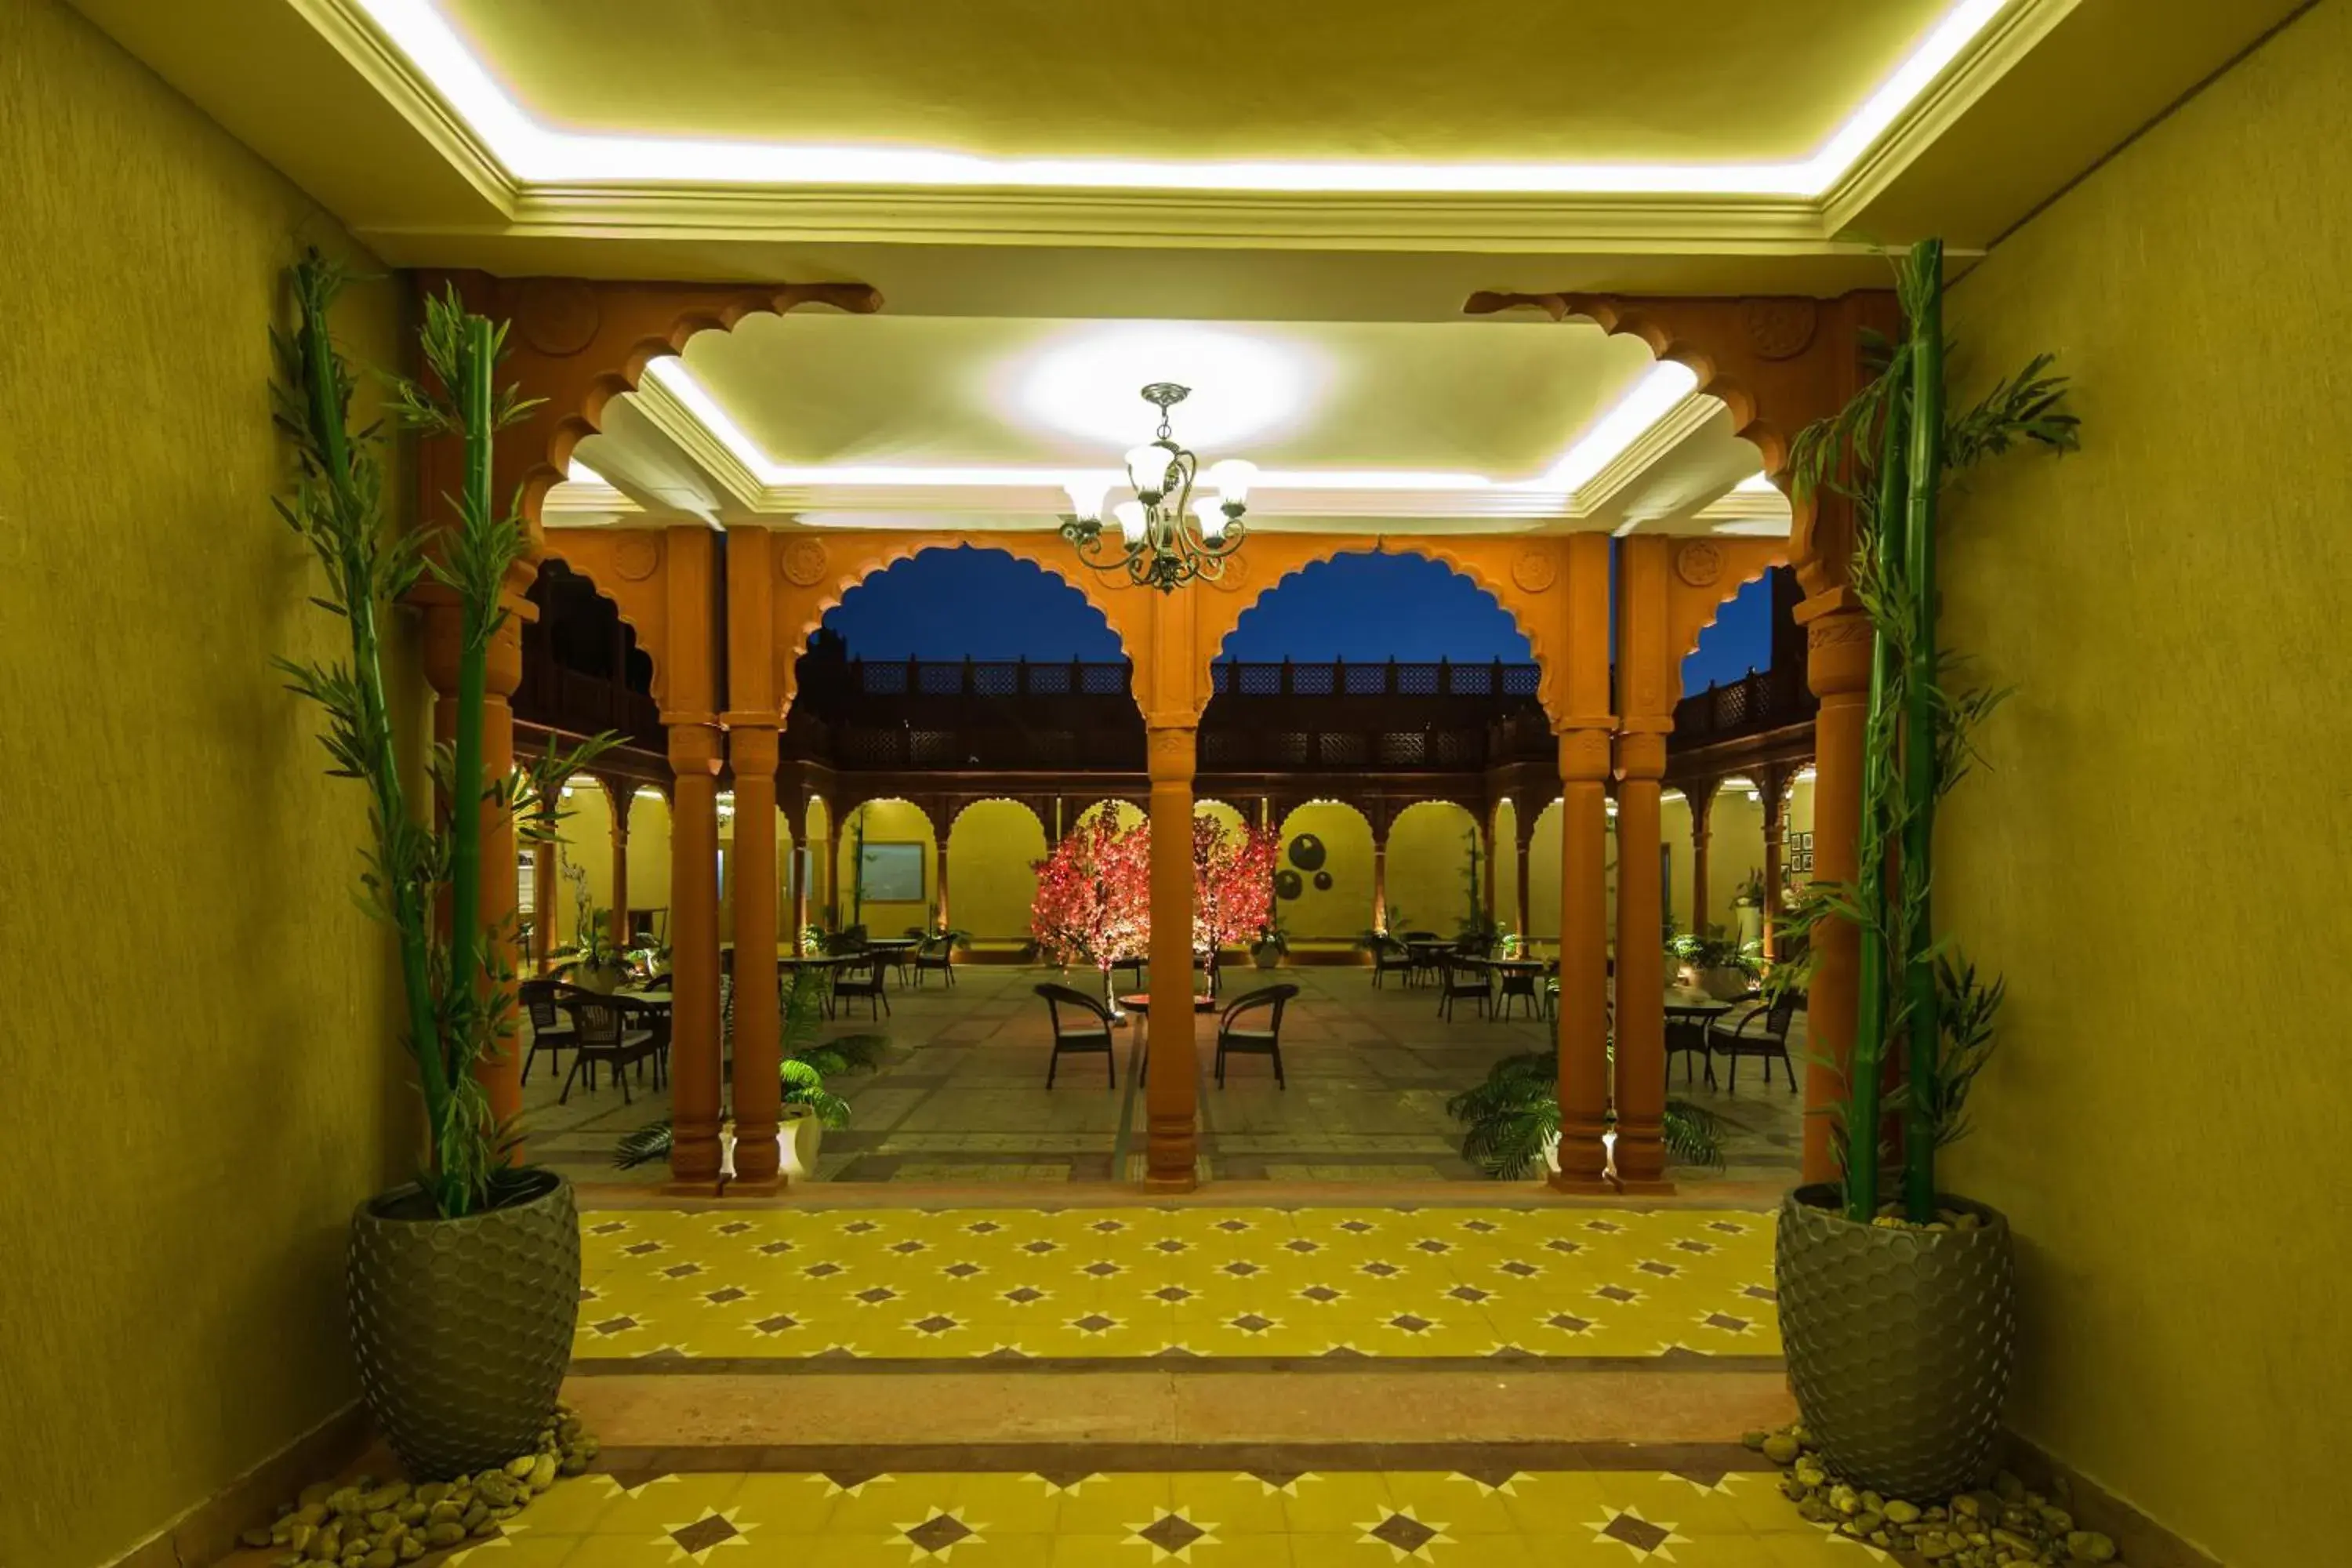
x=463 y=1284
x=1896 y=1299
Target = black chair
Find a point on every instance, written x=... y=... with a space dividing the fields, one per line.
x=1687 y=1038
x=936 y=955
x=601 y=1027
x=550 y=1030
x=1459 y=978
x=1390 y=957
x=1771 y=1038
x=1089 y=1029
x=862 y=976
x=1134 y=966
x=1265 y=1042
x=1424 y=959
x=1521 y=982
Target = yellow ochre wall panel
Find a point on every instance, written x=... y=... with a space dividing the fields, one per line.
x=202 y=1077
x=1344 y=909
x=583 y=835
x=1429 y=864
x=886 y=822
x=992 y=855
x=2155 y=857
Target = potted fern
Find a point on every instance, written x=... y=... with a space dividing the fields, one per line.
x=1896 y=1299
x=1510 y=1121
x=463 y=1284
x=809 y=1108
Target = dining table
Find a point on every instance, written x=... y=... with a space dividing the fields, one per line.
x=1530 y=970
x=1689 y=1015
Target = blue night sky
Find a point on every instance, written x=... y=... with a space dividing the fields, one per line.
x=983 y=604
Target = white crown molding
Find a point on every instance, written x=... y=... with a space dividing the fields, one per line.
x=2011 y=36
x=681 y=426
x=1682 y=422
x=355 y=36
x=1501 y=222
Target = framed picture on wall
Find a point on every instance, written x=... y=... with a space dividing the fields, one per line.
x=892 y=873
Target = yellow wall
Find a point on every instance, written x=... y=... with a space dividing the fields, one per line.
x=1675 y=831
x=1735 y=851
x=649 y=857
x=2155 y=857
x=1505 y=839
x=1345 y=909
x=992 y=855
x=584 y=840
x=1428 y=855
x=201 y=1078
x=886 y=822
x=820 y=892
x=726 y=879
x=1543 y=874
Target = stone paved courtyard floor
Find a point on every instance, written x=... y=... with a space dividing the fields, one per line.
x=961 y=1096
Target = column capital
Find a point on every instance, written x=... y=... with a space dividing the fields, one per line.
x=1642 y=755
x=1584 y=753
x=1170 y=753
x=1838 y=645
x=751 y=749
x=694 y=744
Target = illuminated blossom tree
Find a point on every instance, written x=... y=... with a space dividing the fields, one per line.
x=1233 y=885
x=1094 y=897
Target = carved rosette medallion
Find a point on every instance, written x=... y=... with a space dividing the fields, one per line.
x=1698 y=563
x=557 y=316
x=1780 y=329
x=636 y=557
x=1535 y=571
x=802 y=562
x=1235 y=576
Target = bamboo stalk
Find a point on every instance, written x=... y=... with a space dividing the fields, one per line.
x=1866 y=1069
x=323 y=400
x=1919 y=749
x=473 y=400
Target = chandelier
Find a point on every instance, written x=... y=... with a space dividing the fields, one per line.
x=1166 y=537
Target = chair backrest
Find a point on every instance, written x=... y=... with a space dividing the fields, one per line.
x=866 y=964
x=1784 y=1008
x=539 y=999
x=1060 y=996
x=597 y=1019
x=1272 y=996
x=936 y=949
x=1462 y=974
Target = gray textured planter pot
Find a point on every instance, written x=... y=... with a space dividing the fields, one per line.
x=1900 y=1342
x=463 y=1328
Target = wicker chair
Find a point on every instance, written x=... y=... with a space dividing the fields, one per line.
x=1388 y=957
x=1265 y=1042
x=936 y=956
x=1089 y=1029
x=550 y=1029
x=862 y=976
x=1763 y=1032
x=601 y=1027
x=1459 y=977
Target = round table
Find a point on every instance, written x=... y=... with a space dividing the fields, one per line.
x=1696 y=1011
x=1510 y=968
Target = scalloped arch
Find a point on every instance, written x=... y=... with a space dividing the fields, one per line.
x=925 y=812
x=1295 y=553
x=956 y=813
x=1695 y=613
x=801 y=612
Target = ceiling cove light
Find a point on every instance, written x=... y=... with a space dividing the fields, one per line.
x=1655 y=396
x=531 y=153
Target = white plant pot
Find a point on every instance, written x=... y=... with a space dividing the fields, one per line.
x=798 y=1134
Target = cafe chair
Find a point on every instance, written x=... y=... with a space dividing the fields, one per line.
x=1088 y=1029
x=1762 y=1032
x=1265 y=1042
x=550 y=1030
x=601 y=1027
x=862 y=976
x=936 y=956
x=1459 y=978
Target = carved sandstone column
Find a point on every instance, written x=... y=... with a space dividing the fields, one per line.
x=1646 y=689
x=1583 y=957
x=1702 y=806
x=1838 y=645
x=1380 y=879
x=696 y=744
x=1775 y=785
x=542 y=900
x=754 y=717
x=1172 y=1082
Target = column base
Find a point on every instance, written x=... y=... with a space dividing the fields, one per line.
x=1582 y=1187
x=757 y=1187
x=692 y=1188
x=1190 y=1183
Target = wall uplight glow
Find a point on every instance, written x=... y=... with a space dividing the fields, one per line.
x=1086 y=383
x=531 y=153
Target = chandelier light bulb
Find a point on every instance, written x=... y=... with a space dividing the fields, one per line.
x=1213 y=518
x=1087 y=493
x=1147 y=471
x=1233 y=479
x=1130 y=520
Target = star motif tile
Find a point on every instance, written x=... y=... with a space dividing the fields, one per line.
x=1380 y=1270
x=1233 y=1225
x=611 y=1326
x=1480 y=1226
x=1172 y=1535
x=1725 y=1322
x=1241 y=1268
x=1693 y=1244
x=1252 y=1324
x=962 y=1271
x=1107 y=1227
x=936 y=1323
x=1357 y=1226
x=1283 y=1481
x=860 y=1227
x=643 y=1248
x=1518 y=1268
x=1411 y=1324
x=1023 y=1295
x=735 y=1227
x=1568 y=1322
x=1653 y=1266
x=695 y=1540
x=1470 y=1293
x=1603 y=1227
x=982 y=1227
x=875 y=1295
x=777 y=1324
x=847 y=1483
x=821 y=1270
x=1617 y=1293
x=1300 y=1244
x=1432 y=1245
x=610 y=1227
x=1494 y=1479
x=1171 y=1294
x=774 y=1248
x=1322 y=1295
x=1102 y=1269
x=1727 y=1227
x=908 y=1248
x=1407 y=1537
x=1094 y=1323
x=1060 y=1482
x=1561 y=1244
x=1647 y=1540
x=934 y=1540
x=726 y=1296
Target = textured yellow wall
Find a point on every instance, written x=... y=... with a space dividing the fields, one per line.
x=1344 y=909
x=1543 y=874
x=202 y=1079
x=1507 y=866
x=2155 y=857
x=992 y=855
x=584 y=837
x=1735 y=851
x=649 y=856
x=1429 y=857
x=820 y=892
x=886 y=822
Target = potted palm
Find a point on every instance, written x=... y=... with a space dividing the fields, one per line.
x=809 y=1108
x=1712 y=963
x=1896 y=1299
x=464 y=1283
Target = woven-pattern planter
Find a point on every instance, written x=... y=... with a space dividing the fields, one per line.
x=463 y=1328
x=1900 y=1342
